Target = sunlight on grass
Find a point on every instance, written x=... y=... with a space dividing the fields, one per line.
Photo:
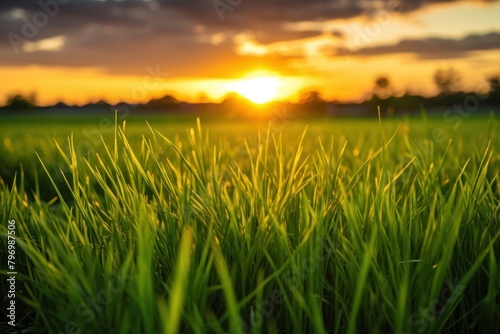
x=297 y=232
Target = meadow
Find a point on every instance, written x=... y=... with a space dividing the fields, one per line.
x=169 y=224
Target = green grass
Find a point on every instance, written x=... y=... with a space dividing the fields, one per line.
x=348 y=226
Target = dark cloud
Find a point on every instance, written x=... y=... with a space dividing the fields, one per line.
x=117 y=55
x=255 y=12
x=435 y=48
x=125 y=36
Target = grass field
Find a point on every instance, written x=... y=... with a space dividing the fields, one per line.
x=348 y=226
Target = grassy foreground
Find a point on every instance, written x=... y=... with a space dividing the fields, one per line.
x=391 y=232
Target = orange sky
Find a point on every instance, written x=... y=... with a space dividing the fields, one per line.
x=339 y=54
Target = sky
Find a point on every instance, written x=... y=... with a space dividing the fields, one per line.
x=80 y=51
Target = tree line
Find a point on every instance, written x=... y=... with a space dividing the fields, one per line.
x=447 y=81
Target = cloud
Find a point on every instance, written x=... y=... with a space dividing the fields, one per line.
x=49 y=44
x=436 y=48
x=123 y=37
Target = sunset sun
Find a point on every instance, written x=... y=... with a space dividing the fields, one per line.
x=259 y=90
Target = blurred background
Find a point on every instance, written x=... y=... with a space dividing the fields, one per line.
x=246 y=57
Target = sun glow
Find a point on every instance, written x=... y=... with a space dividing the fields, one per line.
x=259 y=90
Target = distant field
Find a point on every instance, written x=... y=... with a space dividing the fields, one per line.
x=348 y=226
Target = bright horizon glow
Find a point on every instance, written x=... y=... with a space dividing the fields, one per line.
x=258 y=90
x=89 y=85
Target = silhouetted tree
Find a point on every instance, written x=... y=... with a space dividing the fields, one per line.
x=18 y=101
x=310 y=97
x=448 y=81
x=383 y=88
x=494 y=82
x=165 y=101
x=312 y=103
x=236 y=105
x=233 y=98
x=494 y=93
